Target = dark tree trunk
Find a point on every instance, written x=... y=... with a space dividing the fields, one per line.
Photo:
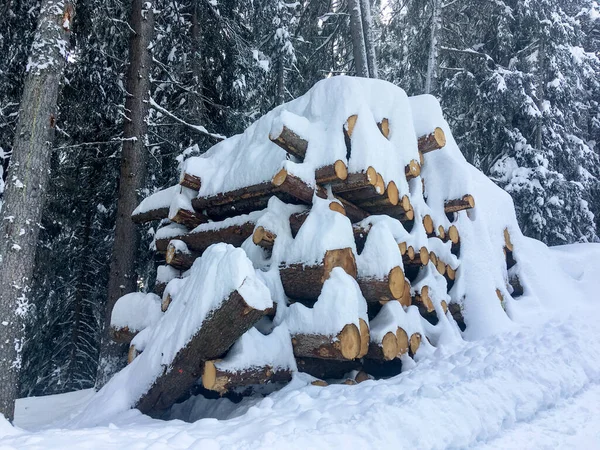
x=122 y=277
x=26 y=187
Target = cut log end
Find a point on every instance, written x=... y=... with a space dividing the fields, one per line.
x=341 y=169
x=337 y=207
x=415 y=343
x=396 y=282
x=350 y=124
x=165 y=303
x=507 y=242
x=365 y=337
x=453 y=234
x=263 y=238
x=432 y=141
x=412 y=170
x=349 y=341
x=209 y=375
x=280 y=177
x=402 y=341
x=389 y=346
x=132 y=354
x=392 y=193
x=428 y=224
x=384 y=127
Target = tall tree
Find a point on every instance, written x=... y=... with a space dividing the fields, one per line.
x=367 y=26
x=26 y=187
x=123 y=277
x=358 y=39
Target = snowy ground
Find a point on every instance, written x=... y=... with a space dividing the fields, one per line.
x=534 y=387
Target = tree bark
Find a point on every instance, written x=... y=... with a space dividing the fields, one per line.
x=26 y=187
x=358 y=40
x=432 y=60
x=122 y=277
x=367 y=25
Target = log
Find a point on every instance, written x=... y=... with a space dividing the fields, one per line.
x=294 y=186
x=350 y=124
x=332 y=173
x=365 y=338
x=450 y=273
x=220 y=329
x=361 y=376
x=515 y=283
x=326 y=368
x=263 y=238
x=148 y=216
x=122 y=335
x=456 y=312
x=384 y=127
x=466 y=202
x=179 y=256
x=360 y=236
x=222 y=381
x=190 y=181
x=441 y=232
x=412 y=170
x=302 y=281
x=201 y=240
x=402 y=340
x=166 y=302
x=414 y=343
x=428 y=225
x=386 y=350
x=291 y=143
x=453 y=235
x=432 y=141
x=424 y=302
x=345 y=345
x=387 y=198
x=391 y=287
x=356 y=181
x=132 y=354
x=190 y=219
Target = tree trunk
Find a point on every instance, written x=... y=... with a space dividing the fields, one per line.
x=367 y=25
x=358 y=40
x=26 y=187
x=198 y=85
x=279 y=95
x=122 y=278
x=432 y=61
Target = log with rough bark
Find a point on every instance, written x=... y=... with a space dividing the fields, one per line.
x=432 y=141
x=292 y=185
x=179 y=255
x=356 y=182
x=293 y=144
x=333 y=173
x=220 y=329
x=326 y=368
x=391 y=287
x=298 y=219
x=190 y=219
x=369 y=192
x=148 y=216
x=190 y=181
x=466 y=202
x=345 y=345
x=221 y=380
x=402 y=211
x=201 y=240
x=302 y=281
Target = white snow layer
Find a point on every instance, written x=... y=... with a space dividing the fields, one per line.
x=136 y=311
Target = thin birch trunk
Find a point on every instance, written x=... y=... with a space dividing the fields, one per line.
x=367 y=25
x=432 y=61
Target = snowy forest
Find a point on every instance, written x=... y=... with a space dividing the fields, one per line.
x=135 y=89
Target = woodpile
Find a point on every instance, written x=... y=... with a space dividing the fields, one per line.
x=370 y=345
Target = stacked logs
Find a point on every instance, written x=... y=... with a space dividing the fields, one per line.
x=230 y=217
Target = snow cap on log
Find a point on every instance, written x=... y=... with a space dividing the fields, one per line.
x=135 y=312
x=340 y=303
x=323 y=230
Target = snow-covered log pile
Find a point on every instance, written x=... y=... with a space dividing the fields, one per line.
x=366 y=241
